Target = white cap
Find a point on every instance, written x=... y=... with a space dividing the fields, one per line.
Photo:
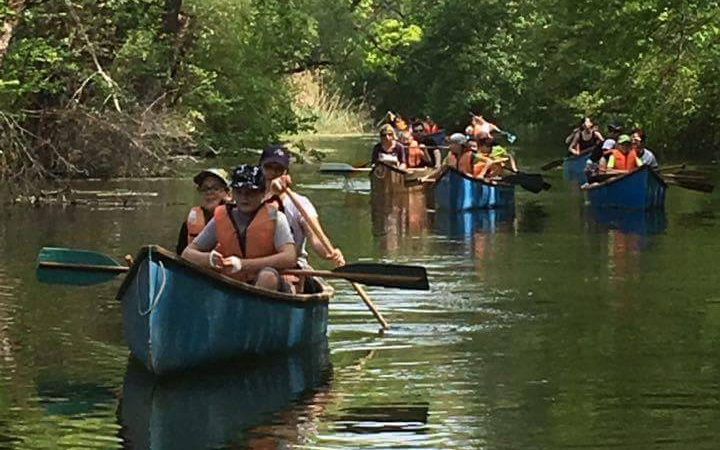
x=608 y=144
x=457 y=138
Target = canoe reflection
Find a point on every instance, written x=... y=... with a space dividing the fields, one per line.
x=260 y=403
x=465 y=223
x=630 y=221
x=398 y=216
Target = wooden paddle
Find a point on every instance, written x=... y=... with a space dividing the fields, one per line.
x=558 y=162
x=84 y=267
x=342 y=169
x=692 y=184
x=329 y=248
x=533 y=182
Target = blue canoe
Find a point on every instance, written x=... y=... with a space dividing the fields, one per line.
x=177 y=315
x=640 y=189
x=574 y=166
x=223 y=406
x=455 y=191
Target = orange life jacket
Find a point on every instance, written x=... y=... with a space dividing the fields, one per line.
x=195 y=223
x=624 y=162
x=415 y=154
x=259 y=237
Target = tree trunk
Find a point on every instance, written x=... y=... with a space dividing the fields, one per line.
x=172 y=16
x=8 y=26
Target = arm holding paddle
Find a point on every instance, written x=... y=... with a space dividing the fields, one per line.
x=310 y=225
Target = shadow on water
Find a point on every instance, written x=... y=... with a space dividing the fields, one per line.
x=258 y=403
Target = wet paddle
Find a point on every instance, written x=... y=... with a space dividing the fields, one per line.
x=532 y=182
x=559 y=162
x=342 y=169
x=76 y=267
x=329 y=248
x=373 y=274
x=690 y=183
x=84 y=267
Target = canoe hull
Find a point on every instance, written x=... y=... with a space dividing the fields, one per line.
x=176 y=316
x=457 y=192
x=388 y=180
x=641 y=189
x=574 y=166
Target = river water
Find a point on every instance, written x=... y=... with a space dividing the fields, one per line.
x=547 y=326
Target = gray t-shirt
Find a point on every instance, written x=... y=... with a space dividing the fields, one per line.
x=206 y=240
x=648 y=159
x=296 y=221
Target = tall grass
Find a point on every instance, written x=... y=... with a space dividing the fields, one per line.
x=332 y=112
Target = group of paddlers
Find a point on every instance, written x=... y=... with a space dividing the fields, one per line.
x=474 y=153
x=250 y=226
x=619 y=152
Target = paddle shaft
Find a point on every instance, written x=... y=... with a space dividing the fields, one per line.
x=329 y=248
x=97 y=267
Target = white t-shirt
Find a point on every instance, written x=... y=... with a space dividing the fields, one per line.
x=295 y=219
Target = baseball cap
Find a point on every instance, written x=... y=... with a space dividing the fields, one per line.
x=248 y=176
x=277 y=154
x=219 y=173
x=623 y=139
x=457 y=138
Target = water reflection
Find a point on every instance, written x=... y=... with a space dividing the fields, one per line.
x=629 y=221
x=399 y=216
x=465 y=223
x=260 y=403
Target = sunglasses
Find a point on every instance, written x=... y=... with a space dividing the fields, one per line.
x=205 y=189
x=387 y=134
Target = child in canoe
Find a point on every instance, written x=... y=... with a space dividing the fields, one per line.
x=249 y=241
x=212 y=184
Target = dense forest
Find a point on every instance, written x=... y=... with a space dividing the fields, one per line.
x=113 y=87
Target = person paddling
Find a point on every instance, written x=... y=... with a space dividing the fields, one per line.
x=213 y=187
x=388 y=150
x=638 y=145
x=621 y=159
x=487 y=165
x=481 y=129
x=275 y=165
x=586 y=138
x=460 y=156
x=249 y=241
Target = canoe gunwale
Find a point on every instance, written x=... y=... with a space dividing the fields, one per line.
x=448 y=169
x=405 y=180
x=576 y=157
x=223 y=280
x=610 y=181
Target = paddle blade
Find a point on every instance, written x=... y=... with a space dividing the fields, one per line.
x=532 y=182
x=552 y=164
x=69 y=275
x=386 y=275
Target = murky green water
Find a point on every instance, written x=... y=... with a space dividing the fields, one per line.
x=550 y=326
